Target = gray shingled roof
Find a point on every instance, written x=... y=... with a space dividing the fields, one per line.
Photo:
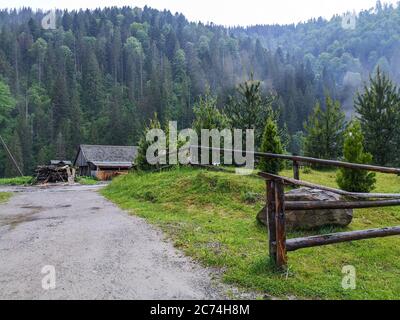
x=109 y=154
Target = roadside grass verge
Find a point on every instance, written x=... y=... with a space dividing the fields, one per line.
x=211 y=217
x=18 y=181
x=5 y=196
x=87 y=181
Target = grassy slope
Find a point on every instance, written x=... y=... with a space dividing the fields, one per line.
x=208 y=216
x=4 y=196
x=15 y=181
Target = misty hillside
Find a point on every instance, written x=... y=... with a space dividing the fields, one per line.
x=102 y=74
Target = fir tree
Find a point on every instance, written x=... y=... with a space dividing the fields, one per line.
x=324 y=131
x=378 y=108
x=350 y=179
x=248 y=109
x=141 y=160
x=271 y=143
x=207 y=115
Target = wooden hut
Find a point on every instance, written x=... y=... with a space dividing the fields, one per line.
x=104 y=162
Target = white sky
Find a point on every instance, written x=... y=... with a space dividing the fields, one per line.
x=226 y=12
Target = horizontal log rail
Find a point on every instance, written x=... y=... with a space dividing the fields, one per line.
x=309 y=160
x=323 y=240
x=294 y=182
x=324 y=205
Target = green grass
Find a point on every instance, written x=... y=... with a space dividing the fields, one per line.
x=211 y=217
x=87 y=180
x=5 y=196
x=16 y=181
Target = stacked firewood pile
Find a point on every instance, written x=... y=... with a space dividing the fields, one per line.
x=54 y=174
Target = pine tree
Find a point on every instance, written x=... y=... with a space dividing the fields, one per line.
x=379 y=108
x=141 y=159
x=92 y=84
x=271 y=143
x=249 y=109
x=350 y=179
x=207 y=115
x=324 y=131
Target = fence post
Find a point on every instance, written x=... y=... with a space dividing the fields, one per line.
x=280 y=222
x=296 y=170
x=270 y=207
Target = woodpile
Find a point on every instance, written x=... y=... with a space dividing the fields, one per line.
x=54 y=174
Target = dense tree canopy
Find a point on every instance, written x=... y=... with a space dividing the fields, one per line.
x=102 y=74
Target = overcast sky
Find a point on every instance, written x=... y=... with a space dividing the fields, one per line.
x=226 y=12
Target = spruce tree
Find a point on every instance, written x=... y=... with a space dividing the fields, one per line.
x=271 y=143
x=378 y=109
x=248 y=109
x=141 y=159
x=207 y=115
x=324 y=131
x=350 y=179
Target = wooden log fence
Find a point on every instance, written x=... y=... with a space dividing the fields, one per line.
x=297 y=160
x=276 y=205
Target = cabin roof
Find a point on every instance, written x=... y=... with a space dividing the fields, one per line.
x=108 y=156
x=113 y=164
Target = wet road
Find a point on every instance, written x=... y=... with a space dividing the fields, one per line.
x=87 y=248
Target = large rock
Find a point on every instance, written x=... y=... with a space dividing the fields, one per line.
x=312 y=219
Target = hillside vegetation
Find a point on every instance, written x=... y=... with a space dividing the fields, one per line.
x=101 y=74
x=211 y=217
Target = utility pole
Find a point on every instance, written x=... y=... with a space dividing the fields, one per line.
x=11 y=156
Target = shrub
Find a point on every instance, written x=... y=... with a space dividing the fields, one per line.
x=307 y=170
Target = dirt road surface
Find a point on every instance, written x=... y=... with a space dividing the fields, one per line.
x=97 y=250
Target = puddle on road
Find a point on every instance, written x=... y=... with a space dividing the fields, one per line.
x=14 y=220
x=33 y=207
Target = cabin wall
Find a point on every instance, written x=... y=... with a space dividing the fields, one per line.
x=84 y=171
x=80 y=160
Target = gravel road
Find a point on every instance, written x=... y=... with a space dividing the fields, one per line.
x=98 y=251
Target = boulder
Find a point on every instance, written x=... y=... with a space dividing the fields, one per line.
x=312 y=219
